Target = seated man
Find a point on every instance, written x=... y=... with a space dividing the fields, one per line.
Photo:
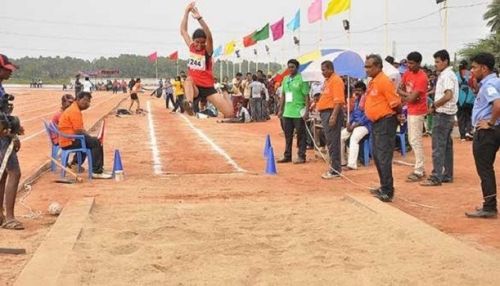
x=242 y=115
x=66 y=101
x=71 y=122
x=358 y=127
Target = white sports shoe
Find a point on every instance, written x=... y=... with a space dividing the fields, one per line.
x=102 y=175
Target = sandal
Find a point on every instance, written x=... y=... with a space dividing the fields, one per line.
x=413 y=177
x=13 y=224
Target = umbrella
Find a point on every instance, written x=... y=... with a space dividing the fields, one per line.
x=346 y=63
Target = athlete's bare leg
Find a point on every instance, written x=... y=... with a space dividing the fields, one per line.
x=223 y=104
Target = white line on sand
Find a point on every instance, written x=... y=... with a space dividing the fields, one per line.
x=32 y=135
x=154 y=145
x=214 y=146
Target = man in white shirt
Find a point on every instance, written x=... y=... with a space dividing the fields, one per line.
x=87 y=85
x=443 y=109
x=257 y=89
x=242 y=116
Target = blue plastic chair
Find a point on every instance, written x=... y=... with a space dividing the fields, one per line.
x=402 y=138
x=367 y=149
x=78 y=151
x=54 y=147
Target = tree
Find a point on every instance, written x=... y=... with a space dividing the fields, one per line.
x=492 y=43
x=492 y=15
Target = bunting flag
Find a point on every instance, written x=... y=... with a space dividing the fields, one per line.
x=262 y=34
x=294 y=24
x=336 y=7
x=230 y=48
x=278 y=29
x=153 y=57
x=100 y=135
x=249 y=41
x=218 y=52
x=315 y=11
x=174 y=56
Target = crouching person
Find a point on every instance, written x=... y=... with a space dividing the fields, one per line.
x=71 y=123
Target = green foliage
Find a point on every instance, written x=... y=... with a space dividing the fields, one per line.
x=491 y=44
x=57 y=70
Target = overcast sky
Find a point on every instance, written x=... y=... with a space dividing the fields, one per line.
x=94 y=28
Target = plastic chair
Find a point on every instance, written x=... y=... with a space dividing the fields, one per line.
x=78 y=151
x=402 y=138
x=367 y=150
x=54 y=147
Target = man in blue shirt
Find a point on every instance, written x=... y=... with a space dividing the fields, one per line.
x=10 y=174
x=486 y=120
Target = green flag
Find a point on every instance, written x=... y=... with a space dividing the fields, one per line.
x=262 y=34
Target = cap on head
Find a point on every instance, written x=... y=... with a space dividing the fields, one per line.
x=6 y=64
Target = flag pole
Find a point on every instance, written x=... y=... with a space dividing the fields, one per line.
x=445 y=7
x=156 y=68
x=177 y=65
x=386 y=28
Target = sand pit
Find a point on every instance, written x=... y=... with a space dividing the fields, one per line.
x=321 y=241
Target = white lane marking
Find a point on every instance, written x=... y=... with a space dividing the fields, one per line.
x=157 y=168
x=214 y=146
x=32 y=135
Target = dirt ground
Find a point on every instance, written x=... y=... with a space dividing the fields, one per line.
x=196 y=218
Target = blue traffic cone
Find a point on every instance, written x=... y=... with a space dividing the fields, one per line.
x=267 y=146
x=271 y=163
x=117 y=167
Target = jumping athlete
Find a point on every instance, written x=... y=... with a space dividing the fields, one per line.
x=200 y=82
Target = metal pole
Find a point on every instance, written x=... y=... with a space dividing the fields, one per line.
x=445 y=7
x=386 y=27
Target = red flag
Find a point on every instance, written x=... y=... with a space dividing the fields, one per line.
x=153 y=57
x=249 y=41
x=174 y=56
x=100 y=135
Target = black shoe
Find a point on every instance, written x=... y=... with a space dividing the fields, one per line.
x=384 y=197
x=284 y=160
x=430 y=182
x=481 y=213
x=447 y=180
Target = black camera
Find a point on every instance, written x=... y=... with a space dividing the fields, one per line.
x=8 y=121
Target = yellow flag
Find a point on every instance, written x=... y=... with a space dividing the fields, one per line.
x=312 y=56
x=337 y=6
x=229 y=48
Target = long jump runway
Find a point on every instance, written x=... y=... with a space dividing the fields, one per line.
x=213 y=229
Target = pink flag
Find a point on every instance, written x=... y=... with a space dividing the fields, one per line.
x=315 y=11
x=153 y=57
x=278 y=29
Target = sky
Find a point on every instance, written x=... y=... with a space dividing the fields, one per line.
x=106 y=28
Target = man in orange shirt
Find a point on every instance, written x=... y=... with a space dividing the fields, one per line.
x=71 y=122
x=383 y=108
x=330 y=106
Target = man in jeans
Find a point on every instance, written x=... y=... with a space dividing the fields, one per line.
x=293 y=110
x=486 y=120
x=330 y=107
x=413 y=91
x=444 y=109
x=71 y=122
x=383 y=108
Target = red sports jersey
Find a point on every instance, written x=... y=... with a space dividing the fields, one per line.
x=200 y=67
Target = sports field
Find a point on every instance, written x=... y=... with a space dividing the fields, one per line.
x=197 y=208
